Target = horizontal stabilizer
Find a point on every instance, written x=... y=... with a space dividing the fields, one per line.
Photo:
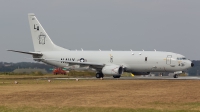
x=32 y=53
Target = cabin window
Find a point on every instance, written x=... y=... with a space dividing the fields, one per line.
x=145 y=58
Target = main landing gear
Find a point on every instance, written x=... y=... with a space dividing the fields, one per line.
x=99 y=75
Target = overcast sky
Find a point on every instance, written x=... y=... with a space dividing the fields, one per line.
x=164 y=25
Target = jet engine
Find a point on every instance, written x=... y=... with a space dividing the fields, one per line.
x=113 y=70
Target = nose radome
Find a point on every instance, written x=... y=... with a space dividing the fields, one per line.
x=192 y=64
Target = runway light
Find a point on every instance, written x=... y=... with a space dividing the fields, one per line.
x=77 y=79
x=49 y=80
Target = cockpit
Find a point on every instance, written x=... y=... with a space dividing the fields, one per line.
x=182 y=58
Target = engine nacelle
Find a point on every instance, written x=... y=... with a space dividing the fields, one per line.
x=141 y=73
x=113 y=70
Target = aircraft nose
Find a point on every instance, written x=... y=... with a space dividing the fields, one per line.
x=192 y=64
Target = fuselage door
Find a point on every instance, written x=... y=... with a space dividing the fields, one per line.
x=168 y=59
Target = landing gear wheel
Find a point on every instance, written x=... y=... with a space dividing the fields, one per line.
x=175 y=76
x=99 y=75
x=116 y=76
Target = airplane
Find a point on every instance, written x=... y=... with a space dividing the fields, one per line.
x=112 y=63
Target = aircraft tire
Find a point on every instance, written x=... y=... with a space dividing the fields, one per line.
x=175 y=76
x=99 y=75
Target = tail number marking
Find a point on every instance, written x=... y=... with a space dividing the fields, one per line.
x=41 y=38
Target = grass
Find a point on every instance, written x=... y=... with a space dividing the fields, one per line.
x=84 y=109
x=10 y=75
x=72 y=109
x=33 y=95
x=40 y=74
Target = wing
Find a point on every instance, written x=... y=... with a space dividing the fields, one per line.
x=97 y=66
x=76 y=62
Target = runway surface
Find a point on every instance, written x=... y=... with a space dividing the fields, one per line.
x=136 y=78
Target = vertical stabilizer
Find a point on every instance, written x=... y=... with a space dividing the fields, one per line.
x=41 y=40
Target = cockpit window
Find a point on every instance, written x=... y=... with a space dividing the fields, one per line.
x=182 y=58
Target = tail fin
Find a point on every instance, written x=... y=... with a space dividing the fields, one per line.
x=41 y=40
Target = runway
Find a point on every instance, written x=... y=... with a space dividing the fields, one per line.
x=136 y=78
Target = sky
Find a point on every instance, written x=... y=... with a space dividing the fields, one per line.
x=164 y=25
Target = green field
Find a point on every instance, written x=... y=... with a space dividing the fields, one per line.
x=33 y=94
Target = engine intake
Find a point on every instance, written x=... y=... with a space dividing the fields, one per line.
x=113 y=70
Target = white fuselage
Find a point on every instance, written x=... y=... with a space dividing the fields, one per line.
x=133 y=61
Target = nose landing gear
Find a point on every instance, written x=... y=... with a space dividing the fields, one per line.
x=175 y=75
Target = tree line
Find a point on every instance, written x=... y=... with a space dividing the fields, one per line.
x=9 y=67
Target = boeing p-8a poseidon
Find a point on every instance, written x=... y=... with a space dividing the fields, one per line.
x=104 y=62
